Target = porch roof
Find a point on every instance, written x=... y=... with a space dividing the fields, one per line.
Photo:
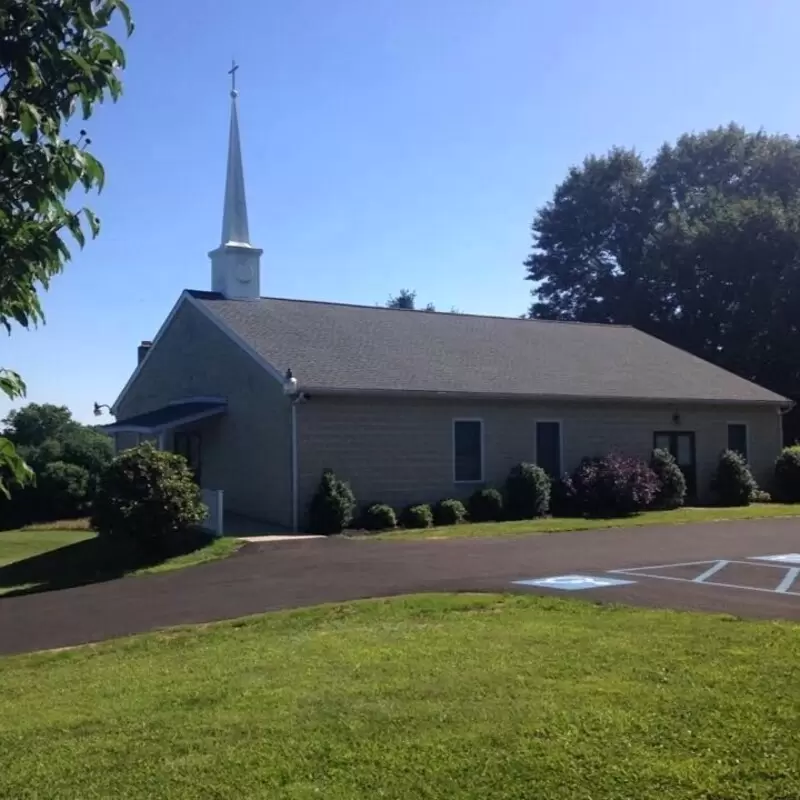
x=180 y=412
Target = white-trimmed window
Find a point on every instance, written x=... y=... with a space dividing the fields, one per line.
x=549 y=447
x=467 y=450
x=737 y=438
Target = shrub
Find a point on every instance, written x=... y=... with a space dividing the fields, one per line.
x=332 y=507
x=378 y=517
x=449 y=512
x=527 y=492
x=563 y=502
x=485 y=505
x=613 y=486
x=63 y=490
x=761 y=497
x=671 y=482
x=148 y=496
x=419 y=516
x=787 y=475
x=733 y=483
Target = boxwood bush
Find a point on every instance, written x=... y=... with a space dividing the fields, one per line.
x=671 y=481
x=419 y=516
x=332 y=507
x=378 y=517
x=527 y=492
x=486 y=505
x=148 y=496
x=733 y=483
x=613 y=486
x=787 y=475
x=562 y=498
x=449 y=512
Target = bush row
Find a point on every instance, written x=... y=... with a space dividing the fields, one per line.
x=610 y=486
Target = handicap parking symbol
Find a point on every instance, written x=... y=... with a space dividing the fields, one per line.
x=572 y=583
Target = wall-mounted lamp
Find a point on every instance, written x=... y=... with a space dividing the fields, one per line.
x=98 y=409
x=676 y=418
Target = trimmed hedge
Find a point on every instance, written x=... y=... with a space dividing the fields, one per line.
x=419 y=516
x=787 y=475
x=486 y=505
x=527 y=492
x=733 y=483
x=378 y=517
x=332 y=507
x=148 y=496
x=449 y=512
x=613 y=486
x=671 y=481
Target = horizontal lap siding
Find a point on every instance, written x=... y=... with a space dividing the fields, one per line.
x=401 y=451
x=247 y=451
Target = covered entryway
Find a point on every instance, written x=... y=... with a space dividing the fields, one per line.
x=174 y=427
x=681 y=446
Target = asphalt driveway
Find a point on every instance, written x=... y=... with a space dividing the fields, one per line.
x=267 y=577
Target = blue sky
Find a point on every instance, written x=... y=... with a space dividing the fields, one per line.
x=387 y=144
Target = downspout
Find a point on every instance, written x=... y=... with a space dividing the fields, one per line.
x=294 y=466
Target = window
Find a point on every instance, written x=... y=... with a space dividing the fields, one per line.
x=548 y=447
x=467 y=450
x=737 y=438
x=188 y=446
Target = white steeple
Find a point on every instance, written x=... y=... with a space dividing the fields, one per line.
x=235 y=264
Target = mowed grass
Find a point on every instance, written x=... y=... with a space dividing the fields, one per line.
x=34 y=559
x=468 y=696
x=679 y=516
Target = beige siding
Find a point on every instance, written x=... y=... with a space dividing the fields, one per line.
x=401 y=451
x=246 y=452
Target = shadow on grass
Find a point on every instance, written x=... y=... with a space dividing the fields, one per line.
x=90 y=561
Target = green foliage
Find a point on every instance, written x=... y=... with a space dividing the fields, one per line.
x=332 y=506
x=671 y=481
x=485 y=505
x=407 y=299
x=733 y=483
x=44 y=435
x=697 y=246
x=449 y=512
x=148 y=496
x=56 y=60
x=63 y=489
x=787 y=475
x=563 y=502
x=760 y=496
x=419 y=516
x=527 y=492
x=379 y=517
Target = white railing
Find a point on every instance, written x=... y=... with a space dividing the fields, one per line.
x=213 y=498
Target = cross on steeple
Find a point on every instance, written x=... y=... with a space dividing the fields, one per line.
x=232 y=73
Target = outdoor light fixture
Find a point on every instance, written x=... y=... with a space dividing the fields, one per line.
x=98 y=409
x=676 y=418
x=289 y=383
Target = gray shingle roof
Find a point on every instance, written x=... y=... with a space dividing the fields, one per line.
x=344 y=347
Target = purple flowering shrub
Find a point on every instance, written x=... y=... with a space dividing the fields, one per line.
x=613 y=486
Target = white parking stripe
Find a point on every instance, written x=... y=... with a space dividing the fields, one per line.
x=712 y=571
x=786 y=583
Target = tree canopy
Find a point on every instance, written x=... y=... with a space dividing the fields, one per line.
x=407 y=299
x=699 y=245
x=57 y=60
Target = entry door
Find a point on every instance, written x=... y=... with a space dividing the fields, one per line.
x=681 y=445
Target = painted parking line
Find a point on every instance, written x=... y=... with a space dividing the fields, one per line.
x=786 y=558
x=783 y=587
x=572 y=583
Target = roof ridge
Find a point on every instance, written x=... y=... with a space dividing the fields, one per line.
x=422 y=310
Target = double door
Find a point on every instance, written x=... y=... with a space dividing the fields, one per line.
x=681 y=445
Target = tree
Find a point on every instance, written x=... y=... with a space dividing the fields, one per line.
x=65 y=457
x=407 y=300
x=699 y=246
x=56 y=60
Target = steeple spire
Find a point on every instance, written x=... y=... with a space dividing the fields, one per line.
x=234 y=218
x=235 y=270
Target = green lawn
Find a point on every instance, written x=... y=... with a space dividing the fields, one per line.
x=424 y=697
x=556 y=524
x=34 y=559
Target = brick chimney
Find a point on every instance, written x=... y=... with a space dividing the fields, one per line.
x=142 y=351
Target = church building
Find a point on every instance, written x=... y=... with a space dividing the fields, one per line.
x=262 y=393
